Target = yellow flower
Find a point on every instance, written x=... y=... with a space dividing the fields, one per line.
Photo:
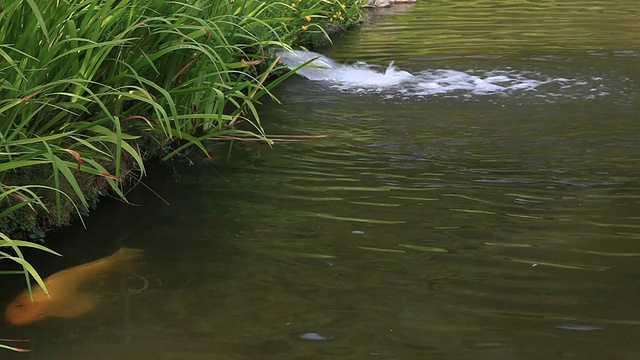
x=308 y=18
x=330 y=19
x=304 y=27
x=341 y=18
x=343 y=6
x=293 y=5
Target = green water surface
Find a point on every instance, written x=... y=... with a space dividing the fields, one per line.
x=498 y=226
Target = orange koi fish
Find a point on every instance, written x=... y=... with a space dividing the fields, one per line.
x=65 y=298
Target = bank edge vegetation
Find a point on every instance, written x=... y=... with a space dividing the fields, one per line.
x=89 y=89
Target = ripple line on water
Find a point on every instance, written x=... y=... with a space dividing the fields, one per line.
x=375 y=204
x=340 y=188
x=560 y=265
x=354 y=219
x=606 y=253
x=472 y=211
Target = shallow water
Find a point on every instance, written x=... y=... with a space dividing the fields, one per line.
x=451 y=224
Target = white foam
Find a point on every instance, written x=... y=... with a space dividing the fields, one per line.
x=322 y=68
x=362 y=77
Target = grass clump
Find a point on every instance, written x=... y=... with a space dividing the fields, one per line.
x=89 y=89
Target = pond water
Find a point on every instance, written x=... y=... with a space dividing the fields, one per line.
x=479 y=200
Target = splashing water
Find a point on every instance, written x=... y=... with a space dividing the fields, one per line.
x=363 y=77
x=360 y=74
